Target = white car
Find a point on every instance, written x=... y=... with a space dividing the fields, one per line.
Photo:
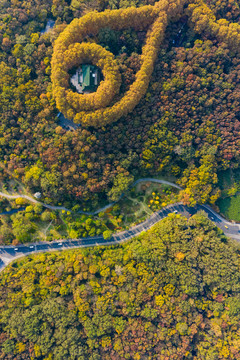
x=175 y=211
x=59 y=244
x=31 y=247
x=16 y=249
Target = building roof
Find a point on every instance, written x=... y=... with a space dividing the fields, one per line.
x=37 y=195
x=86 y=78
x=89 y=75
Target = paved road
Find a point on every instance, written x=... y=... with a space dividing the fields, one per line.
x=31 y=199
x=10 y=253
x=66 y=124
x=50 y=24
x=13 y=211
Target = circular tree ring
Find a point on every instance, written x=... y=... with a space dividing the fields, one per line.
x=88 y=53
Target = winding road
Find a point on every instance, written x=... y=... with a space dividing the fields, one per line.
x=104 y=208
x=10 y=253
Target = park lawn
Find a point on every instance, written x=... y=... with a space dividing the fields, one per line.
x=228 y=178
x=230 y=207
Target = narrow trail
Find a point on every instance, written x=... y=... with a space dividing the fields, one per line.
x=10 y=253
x=51 y=207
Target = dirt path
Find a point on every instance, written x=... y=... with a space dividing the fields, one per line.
x=31 y=199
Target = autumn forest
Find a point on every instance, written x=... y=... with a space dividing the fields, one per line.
x=172 y=293
x=167 y=107
x=186 y=125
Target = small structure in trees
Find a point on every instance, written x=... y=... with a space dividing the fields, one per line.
x=37 y=195
x=86 y=79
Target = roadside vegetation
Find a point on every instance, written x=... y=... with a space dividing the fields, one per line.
x=172 y=292
x=28 y=222
x=230 y=207
x=229 y=203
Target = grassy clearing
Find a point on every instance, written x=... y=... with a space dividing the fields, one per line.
x=229 y=203
x=142 y=200
x=230 y=207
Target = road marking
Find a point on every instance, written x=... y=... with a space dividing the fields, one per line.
x=117 y=238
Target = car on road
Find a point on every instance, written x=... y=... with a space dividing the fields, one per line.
x=15 y=249
x=59 y=244
x=226 y=226
x=31 y=247
x=175 y=211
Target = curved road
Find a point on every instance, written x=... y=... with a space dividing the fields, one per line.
x=10 y=253
x=29 y=198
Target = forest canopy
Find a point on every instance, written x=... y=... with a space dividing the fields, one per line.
x=186 y=127
x=89 y=109
x=172 y=292
x=92 y=23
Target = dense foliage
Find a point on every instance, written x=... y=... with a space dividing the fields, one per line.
x=78 y=106
x=25 y=222
x=172 y=293
x=186 y=126
x=69 y=101
x=66 y=55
